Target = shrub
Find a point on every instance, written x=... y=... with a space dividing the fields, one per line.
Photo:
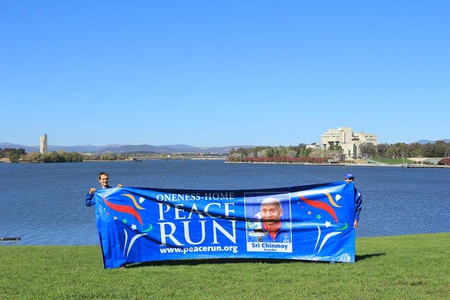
x=444 y=161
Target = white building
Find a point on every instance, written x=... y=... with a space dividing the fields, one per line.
x=43 y=144
x=349 y=141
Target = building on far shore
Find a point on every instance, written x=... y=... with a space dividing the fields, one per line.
x=348 y=140
x=43 y=144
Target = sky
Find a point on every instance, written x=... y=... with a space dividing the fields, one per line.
x=222 y=73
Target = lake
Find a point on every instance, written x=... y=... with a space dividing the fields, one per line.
x=44 y=203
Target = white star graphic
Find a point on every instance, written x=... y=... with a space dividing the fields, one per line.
x=327 y=224
x=133 y=227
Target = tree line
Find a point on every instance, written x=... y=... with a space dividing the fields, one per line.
x=19 y=155
x=300 y=154
x=306 y=154
x=439 y=149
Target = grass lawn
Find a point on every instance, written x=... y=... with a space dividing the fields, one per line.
x=397 y=267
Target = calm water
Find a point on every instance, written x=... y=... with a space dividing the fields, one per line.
x=44 y=203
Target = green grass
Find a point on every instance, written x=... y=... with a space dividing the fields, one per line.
x=398 y=267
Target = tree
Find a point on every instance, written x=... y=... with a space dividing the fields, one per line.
x=428 y=150
x=414 y=150
x=270 y=152
x=108 y=156
x=382 y=150
x=367 y=149
x=33 y=157
x=14 y=158
x=21 y=151
x=52 y=157
x=440 y=149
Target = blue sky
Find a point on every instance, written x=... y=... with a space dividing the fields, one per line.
x=222 y=73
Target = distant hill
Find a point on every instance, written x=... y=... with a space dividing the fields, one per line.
x=128 y=148
x=423 y=142
x=170 y=149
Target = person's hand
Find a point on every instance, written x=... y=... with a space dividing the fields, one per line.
x=92 y=190
x=119 y=185
x=355 y=224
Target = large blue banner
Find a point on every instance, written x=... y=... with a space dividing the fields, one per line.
x=312 y=223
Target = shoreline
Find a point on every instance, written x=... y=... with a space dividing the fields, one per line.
x=214 y=158
x=346 y=165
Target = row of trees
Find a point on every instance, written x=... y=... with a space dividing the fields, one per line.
x=281 y=159
x=19 y=155
x=269 y=152
x=303 y=153
x=106 y=156
x=438 y=149
x=53 y=157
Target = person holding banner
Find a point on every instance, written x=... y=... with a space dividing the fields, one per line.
x=103 y=178
x=273 y=228
x=358 y=199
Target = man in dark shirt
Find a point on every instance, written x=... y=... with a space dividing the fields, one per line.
x=358 y=199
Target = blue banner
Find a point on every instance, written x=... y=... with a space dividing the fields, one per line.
x=313 y=223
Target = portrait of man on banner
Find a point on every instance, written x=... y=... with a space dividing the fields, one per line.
x=268 y=223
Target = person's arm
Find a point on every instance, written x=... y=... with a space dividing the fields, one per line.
x=89 y=197
x=358 y=207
